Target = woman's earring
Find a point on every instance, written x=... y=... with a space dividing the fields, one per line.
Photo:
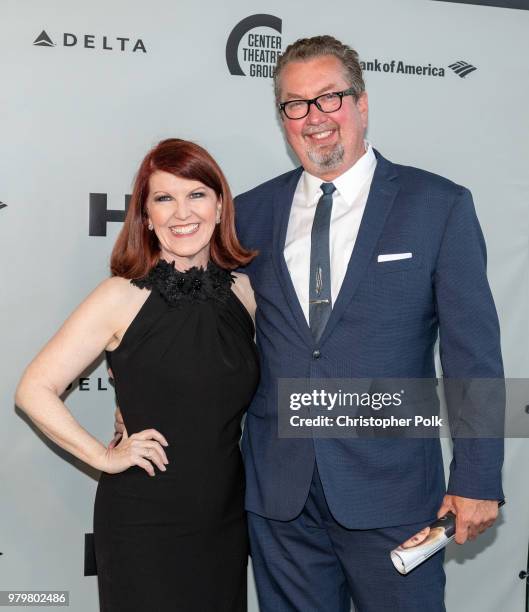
x=150 y=226
x=217 y=220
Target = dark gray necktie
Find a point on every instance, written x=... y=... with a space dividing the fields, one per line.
x=320 y=304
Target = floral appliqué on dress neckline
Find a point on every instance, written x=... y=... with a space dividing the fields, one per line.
x=196 y=284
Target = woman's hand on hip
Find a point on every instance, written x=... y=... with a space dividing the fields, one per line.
x=144 y=449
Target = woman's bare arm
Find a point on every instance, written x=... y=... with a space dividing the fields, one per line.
x=96 y=324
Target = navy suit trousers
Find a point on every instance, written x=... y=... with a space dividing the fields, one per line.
x=313 y=564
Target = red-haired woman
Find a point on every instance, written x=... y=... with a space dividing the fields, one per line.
x=169 y=522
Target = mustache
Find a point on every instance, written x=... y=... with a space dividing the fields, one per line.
x=309 y=130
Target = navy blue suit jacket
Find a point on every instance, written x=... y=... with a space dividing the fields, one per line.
x=384 y=323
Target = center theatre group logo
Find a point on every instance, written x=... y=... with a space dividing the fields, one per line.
x=460 y=68
x=90 y=41
x=260 y=51
x=2 y=205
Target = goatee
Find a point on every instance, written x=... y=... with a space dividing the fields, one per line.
x=327 y=160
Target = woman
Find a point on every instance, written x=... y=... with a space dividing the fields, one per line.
x=169 y=522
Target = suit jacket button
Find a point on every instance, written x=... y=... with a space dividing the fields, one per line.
x=316 y=354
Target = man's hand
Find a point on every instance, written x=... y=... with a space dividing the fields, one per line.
x=120 y=431
x=119 y=426
x=473 y=516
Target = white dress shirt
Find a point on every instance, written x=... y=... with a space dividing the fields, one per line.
x=349 y=201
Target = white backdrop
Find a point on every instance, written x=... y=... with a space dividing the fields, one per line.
x=77 y=120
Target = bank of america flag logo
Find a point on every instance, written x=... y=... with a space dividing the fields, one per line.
x=43 y=40
x=462 y=68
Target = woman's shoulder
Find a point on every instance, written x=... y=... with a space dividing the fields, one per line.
x=242 y=284
x=118 y=292
x=242 y=280
x=116 y=301
x=117 y=287
x=243 y=290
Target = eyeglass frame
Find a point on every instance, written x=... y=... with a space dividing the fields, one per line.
x=346 y=92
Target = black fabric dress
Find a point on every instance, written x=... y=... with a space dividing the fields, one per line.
x=188 y=367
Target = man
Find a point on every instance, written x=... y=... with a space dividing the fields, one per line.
x=325 y=513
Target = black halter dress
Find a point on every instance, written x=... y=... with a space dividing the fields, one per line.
x=188 y=367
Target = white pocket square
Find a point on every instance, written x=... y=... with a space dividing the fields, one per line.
x=394 y=257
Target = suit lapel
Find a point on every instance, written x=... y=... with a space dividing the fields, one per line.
x=282 y=206
x=384 y=189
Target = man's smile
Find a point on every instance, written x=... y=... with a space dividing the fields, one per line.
x=321 y=136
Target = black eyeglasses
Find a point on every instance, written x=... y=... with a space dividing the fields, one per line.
x=326 y=103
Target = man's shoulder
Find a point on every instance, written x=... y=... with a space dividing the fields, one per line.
x=431 y=179
x=417 y=179
x=264 y=190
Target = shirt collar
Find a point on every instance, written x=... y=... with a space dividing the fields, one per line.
x=347 y=184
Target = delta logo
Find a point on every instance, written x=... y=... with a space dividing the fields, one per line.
x=91 y=41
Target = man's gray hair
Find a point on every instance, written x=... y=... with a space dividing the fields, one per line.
x=308 y=48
